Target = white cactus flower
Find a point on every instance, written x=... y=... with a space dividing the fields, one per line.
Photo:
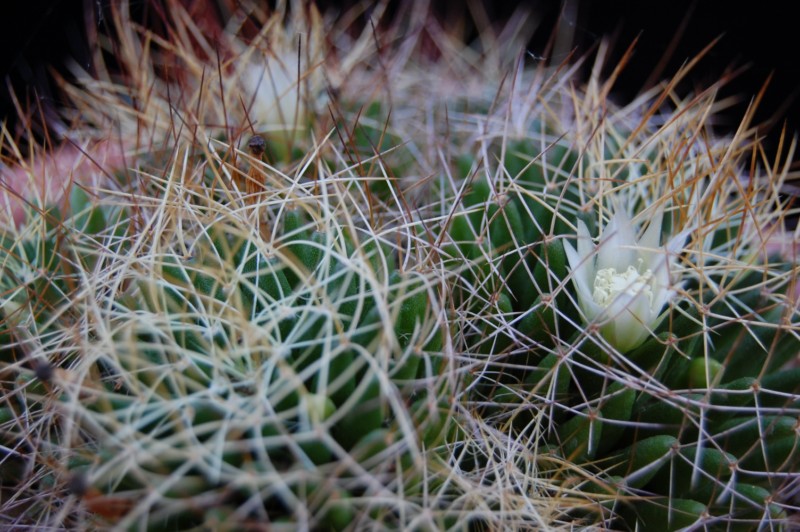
x=278 y=102
x=623 y=283
x=282 y=81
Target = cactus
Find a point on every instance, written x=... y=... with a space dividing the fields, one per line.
x=218 y=350
x=356 y=298
x=670 y=380
x=226 y=341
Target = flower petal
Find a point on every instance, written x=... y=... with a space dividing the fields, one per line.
x=652 y=235
x=580 y=265
x=641 y=309
x=661 y=283
x=662 y=264
x=616 y=249
x=624 y=332
x=631 y=316
x=649 y=243
x=583 y=261
x=585 y=245
x=591 y=310
x=676 y=242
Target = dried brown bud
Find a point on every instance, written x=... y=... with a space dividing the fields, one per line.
x=255 y=181
x=257 y=145
x=43 y=370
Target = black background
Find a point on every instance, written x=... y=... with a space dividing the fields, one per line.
x=38 y=34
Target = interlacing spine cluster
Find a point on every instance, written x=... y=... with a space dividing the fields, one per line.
x=333 y=293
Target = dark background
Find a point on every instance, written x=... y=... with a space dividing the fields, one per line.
x=38 y=34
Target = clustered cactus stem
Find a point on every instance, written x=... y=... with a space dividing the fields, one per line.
x=440 y=288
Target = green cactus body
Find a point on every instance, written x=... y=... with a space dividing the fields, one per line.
x=618 y=407
x=640 y=462
x=667 y=514
x=580 y=437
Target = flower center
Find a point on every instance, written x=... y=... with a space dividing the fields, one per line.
x=609 y=283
